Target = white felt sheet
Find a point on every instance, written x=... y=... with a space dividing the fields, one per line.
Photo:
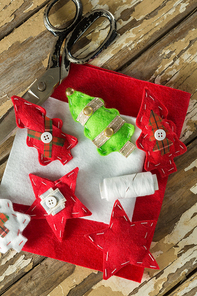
x=93 y=168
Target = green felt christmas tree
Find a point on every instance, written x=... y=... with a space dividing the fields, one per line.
x=104 y=127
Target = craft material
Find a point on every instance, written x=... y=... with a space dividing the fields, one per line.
x=104 y=127
x=12 y=224
x=129 y=186
x=158 y=138
x=44 y=134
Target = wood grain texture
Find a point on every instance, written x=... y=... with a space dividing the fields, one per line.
x=142 y=23
x=178 y=197
x=14 y=13
x=5 y=149
x=41 y=279
x=14 y=265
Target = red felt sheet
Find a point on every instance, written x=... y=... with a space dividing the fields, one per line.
x=125 y=94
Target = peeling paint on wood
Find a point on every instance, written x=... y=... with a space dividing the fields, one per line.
x=18 y=265
x=194 y=189
x=74 y=279
x=188 y=288
x=148 y=19
x=192 y=165
x=104 y=291
x=9 y=255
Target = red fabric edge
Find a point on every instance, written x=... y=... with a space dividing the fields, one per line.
x=124 y=93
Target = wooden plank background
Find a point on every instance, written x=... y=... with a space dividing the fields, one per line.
x=157 y=42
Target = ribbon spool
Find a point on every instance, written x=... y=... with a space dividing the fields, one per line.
x=129 y=186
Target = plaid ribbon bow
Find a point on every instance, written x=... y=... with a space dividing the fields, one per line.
x=3 y=230
x=47 y=146
x=163 y=145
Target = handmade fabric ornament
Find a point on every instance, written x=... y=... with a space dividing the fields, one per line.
x=44 y=134
x=124 y=242
x=158 y=138
x=11 y=226
x=129 y=186
x=56 y=202
x=107 y=130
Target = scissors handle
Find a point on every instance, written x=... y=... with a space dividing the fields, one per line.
x=65 y=30
x=82 y=27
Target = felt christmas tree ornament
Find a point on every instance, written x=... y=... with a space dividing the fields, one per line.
x=158 y=137
x=56 y=202
x=124 y=242
x=12 y=224
x=44 y=134
x=104 y=127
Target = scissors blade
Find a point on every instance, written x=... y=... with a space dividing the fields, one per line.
x=38 y=93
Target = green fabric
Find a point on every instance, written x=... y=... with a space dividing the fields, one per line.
x=98 y=122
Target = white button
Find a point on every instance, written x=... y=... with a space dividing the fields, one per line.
x=51 y=202
x=46 y=137
x=160 y=135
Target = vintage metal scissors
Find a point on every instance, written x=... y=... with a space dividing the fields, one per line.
x=58 y=70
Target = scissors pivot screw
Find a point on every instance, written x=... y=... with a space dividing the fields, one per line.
x=41 y=86
x=69 y=91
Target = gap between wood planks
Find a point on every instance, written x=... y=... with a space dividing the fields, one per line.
x=120 y=69
x=169 y=293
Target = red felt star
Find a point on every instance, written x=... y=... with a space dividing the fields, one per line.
x=44 y=134
x=124 y=242
x=73 y=206
x=158 y=137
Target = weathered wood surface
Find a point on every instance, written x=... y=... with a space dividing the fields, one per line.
x=157 y=42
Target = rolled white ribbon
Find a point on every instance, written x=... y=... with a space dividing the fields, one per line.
x=128 y=186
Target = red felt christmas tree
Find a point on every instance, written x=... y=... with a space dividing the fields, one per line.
x=44 y=134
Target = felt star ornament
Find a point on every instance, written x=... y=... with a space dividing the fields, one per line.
x=56 y=202
x=158 y=137
x=12 y=224
x=124 y=242
x=44 y=134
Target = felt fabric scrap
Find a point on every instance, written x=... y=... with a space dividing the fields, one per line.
x=158 y=137
x=124 y=242
x=73 y=206
x=12 y=224
x=44 y=134
x=107 y=130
